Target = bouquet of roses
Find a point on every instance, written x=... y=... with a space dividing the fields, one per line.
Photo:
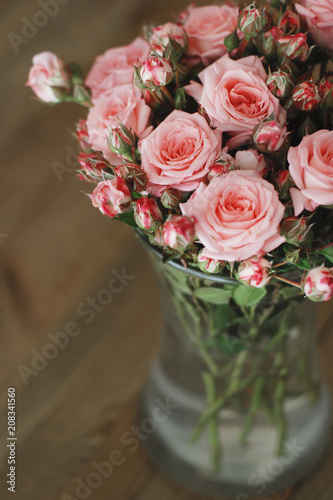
x=213 y=136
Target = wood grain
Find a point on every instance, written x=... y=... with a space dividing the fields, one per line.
x=58 y=252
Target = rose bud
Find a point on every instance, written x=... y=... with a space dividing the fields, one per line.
x=159 y=38
x=92 y=166
x=280 y=83
x=252 y=21
x=111 y=197
x=306 y=96
x=326 y=90
x=284 y=182
x=133 y=175
x=208 y=265
x=223 y=164
x=293 y=255
x=269 y=136
x=147 y=215
x=48 y=78
x=251 y=159
x=155 y=72
x=290 y=22
x=83 y=136
x=295 y=230
x=267 y=43
x=318 y=284
x=170 y=198
x=294 y=46
x=178 y=232
x=254 y=272
x=121 y=141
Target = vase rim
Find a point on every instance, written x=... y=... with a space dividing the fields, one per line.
x=179 y=267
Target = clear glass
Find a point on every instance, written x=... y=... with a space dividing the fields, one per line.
x=235 y=402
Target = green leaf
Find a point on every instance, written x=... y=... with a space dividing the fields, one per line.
x=225 y=315
x=247 y=296
x=230 y=345
x=213 y=295
x=127 y=218
x=328 y=253
x=304 y=264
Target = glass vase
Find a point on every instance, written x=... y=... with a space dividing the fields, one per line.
x=235 y=402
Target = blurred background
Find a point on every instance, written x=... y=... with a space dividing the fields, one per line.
x=74 y=400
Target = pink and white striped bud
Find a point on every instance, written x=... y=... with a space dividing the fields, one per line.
x=48 y=78
x=83 y=136
x=269 y=136
x=111 y=197
x=160 y=37
x=135 y=178
x=251 y=159
x=252 y=22
x=155 y=72
x=121 y=141
x=318 y=284
x=147 y=215
x=295 y=230
x=178 y=232
x=170 y=198
x=92 y=166
x=254 y=272
x=294 y=46
x=280 y=83
x=223 y=164
x=283 y=183
x=306 y=96
x=208 y=265
x=290 y=22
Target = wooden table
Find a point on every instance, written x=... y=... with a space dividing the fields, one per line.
x=56 y=252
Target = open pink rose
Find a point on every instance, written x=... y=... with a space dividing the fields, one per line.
x=319 y=17
x=115 y=67
x=236 y=97
x=206 y=28
x=311 y=167
x=179 y=152
x=236 y=216
x=123 y=103
x=47 y=77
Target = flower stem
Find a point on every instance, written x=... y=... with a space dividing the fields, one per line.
x=213 y=422
x=168 y=95
x=285 y=280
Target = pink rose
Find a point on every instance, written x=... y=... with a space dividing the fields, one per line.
x=206 y=28
x=251 y=159
x=47 y=76
x=254 y=272
x=112 y=197
x=311 y=167
x=115 y=67
x=236 y=97
x=319 y=17
x=318 y=284
x=179 y=152
x=123 y=103
x=236 y=216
